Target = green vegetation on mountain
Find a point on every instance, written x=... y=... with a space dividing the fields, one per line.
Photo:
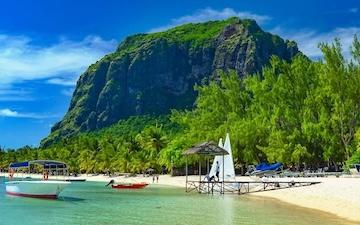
x=294 y=112
x=150 y=74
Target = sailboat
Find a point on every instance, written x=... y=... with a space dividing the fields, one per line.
x=225 y=166
x=226 y=172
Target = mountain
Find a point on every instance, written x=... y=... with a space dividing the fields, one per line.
x=156 y=72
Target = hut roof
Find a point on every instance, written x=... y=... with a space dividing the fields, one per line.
x=206 y=148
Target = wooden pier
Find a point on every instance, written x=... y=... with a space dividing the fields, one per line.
x=242 y=187
x=210 y=149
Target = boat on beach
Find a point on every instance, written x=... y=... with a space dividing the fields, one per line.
x=49 y=189
x=265 y=169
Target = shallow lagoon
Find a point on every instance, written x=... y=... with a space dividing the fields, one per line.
x=92 y=203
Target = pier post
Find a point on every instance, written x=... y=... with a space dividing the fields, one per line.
x=208 y=175
x=186 y=174
x=200 y=175
x=223 y=172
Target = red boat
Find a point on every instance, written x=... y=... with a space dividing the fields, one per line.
x=130 y=185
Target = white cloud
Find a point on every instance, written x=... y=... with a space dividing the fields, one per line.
x=8 y=113
x=8 y=93
x=207 y=14
x=21 y=60
x=308 y=40
x=62 y=81
x=11 y=113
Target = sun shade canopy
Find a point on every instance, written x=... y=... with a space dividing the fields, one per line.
x=47 y=164
x=206 y=148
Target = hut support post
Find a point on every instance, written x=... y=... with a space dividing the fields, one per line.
x=208 y=174
x=186 y=173
x=199 y=175
x=207 y=166
x=223 y=172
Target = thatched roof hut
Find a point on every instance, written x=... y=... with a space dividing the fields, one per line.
x=208 y=148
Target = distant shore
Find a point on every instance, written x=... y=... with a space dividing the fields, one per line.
x=339 y=196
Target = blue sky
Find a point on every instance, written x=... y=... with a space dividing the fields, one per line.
x=45 y=45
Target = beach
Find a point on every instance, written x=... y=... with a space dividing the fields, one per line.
x=339 y=196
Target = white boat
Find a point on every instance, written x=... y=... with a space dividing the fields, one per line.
x=37 y=188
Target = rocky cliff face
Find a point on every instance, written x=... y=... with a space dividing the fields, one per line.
x=153 y=73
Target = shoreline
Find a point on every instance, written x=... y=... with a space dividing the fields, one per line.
x=337 y=196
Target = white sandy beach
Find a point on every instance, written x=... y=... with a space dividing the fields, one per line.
x=339 y=196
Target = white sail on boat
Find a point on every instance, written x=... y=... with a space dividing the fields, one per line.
x=227 y=171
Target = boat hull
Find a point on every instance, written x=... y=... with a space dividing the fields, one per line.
x=36 y=189
x=129 y=186
x=75 y=180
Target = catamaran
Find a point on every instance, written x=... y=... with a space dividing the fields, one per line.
x=36 y=188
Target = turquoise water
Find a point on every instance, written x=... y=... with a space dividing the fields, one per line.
x=92 y=203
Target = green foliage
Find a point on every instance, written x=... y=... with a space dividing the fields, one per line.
x=293 y=112
x=196 y=35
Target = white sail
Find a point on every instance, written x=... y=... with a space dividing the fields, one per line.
x=221 y=144
x=217 y=158
x=228 y=162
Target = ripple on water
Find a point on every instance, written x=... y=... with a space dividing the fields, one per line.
x=92 y=203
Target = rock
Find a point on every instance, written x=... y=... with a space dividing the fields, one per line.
x=154 y=73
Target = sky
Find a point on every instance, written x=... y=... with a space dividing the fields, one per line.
x=46 y=45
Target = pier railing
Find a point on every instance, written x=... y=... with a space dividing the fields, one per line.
x=242 y=187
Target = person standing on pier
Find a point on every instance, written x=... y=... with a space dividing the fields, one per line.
x=217 y=170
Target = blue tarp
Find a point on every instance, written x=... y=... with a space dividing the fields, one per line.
x=266 y=166
x=46 y=163
x=19 y=164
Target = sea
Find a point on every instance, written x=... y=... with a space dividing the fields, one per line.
x=93 y=203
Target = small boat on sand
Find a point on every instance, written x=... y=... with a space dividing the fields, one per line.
x=130 y=185
x=265 y=169
x=36 y=188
